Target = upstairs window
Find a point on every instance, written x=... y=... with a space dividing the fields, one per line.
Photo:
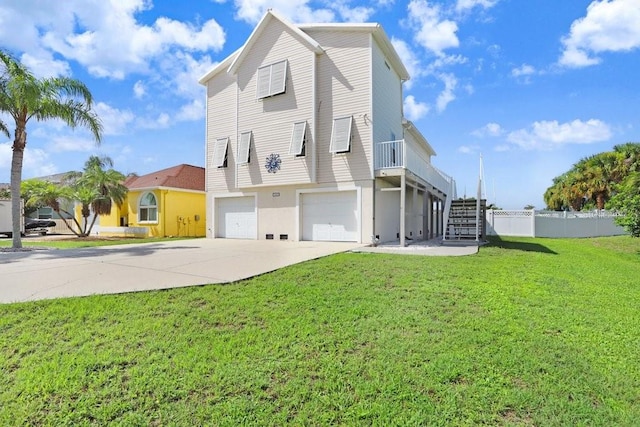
x=244 y=148
x=341 y=135
x=272 y=79
x=298 y=139
x=148 y=208
x=220 y=153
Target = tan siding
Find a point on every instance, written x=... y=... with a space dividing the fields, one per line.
x=271 y=119
x=387 y=99
x=344 y=90
x=221 y=122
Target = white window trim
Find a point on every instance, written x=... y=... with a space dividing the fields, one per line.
x=298 y=139
x=140 y=207
x=271 y=79
x=341 y=138
x=220 y=152
x=244 y=148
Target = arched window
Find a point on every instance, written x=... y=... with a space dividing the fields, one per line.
x=148 y=208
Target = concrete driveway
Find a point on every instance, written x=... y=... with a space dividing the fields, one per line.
x=41 y=274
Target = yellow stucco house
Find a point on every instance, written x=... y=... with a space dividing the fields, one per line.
x=169 y=202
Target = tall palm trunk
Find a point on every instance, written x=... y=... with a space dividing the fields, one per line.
x=16 y=176
x=600 y=200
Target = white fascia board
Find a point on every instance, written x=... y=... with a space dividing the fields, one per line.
x=162 y=187
x=222 y=66
x=411 y=128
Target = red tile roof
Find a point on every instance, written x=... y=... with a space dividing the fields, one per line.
x=181 y=176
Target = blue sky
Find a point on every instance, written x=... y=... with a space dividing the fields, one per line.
x=532 y=86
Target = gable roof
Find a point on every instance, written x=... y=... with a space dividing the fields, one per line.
x=233 y=61
x=307 y=41
x=182 y=176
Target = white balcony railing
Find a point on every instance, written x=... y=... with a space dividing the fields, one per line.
x=399 y=154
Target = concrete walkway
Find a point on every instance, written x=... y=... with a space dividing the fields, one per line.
x=52 y=273
x=42 y=274
x=433 y=247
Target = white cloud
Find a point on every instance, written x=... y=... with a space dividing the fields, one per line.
x=5 y=161
x=490 y=129
x=609 y=26
x=355 y=14
x=433 y=32
x=192 y=111
x=409 y=59
x=551 y=134
x=447 y=95
x=114 y=121
x=186 y=70
x=43 y=65
x=35 y=163
x=139 y=89
x=252 y=11
x=523 y=73
x=523 y=70
x=463 y=5
x=103 y=36
x=414 y=110
x=162 y=121
x=468 y=149
x=69 y=142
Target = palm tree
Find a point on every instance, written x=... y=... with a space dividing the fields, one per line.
x=4 y=129
x=24 y=97
x=99 y=188
x=43 y=193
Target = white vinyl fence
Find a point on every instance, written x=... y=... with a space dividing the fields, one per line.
x=530 y=223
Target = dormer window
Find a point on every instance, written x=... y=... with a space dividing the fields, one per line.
x=272 y=79
x=298 y=139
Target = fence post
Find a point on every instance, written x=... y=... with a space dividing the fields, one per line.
x=533 y=223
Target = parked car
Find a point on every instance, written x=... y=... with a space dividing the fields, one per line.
x=41 y=226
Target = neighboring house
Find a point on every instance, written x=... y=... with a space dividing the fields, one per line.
x=169 y=202
x=46 y=212
x=306 y=140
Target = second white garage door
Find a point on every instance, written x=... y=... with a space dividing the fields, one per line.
x=236 y=218
x=330 y=216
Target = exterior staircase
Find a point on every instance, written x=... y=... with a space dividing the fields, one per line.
x=462 y=224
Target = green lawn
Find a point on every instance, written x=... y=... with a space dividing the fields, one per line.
x=528 y=332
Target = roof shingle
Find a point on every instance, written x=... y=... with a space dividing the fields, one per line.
x=182 y=176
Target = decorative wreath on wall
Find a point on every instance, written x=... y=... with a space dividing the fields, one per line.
x=273 y=163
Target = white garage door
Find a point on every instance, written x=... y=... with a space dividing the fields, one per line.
x=236 y=218
x=330 y=216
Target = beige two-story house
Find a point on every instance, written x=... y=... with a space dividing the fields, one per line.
x=306 y=140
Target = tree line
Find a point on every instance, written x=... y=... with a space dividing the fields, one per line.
x=607 y=180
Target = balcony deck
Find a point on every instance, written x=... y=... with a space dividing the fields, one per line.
x=397 y=158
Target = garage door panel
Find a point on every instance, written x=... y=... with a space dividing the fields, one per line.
x=236 y=218
x=331 y=216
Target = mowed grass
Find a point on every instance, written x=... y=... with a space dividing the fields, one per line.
x=527 y=332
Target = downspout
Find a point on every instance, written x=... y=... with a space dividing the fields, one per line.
x=373 y=148
x=235 y=165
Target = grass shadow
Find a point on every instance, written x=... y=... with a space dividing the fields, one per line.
x=519 y=246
